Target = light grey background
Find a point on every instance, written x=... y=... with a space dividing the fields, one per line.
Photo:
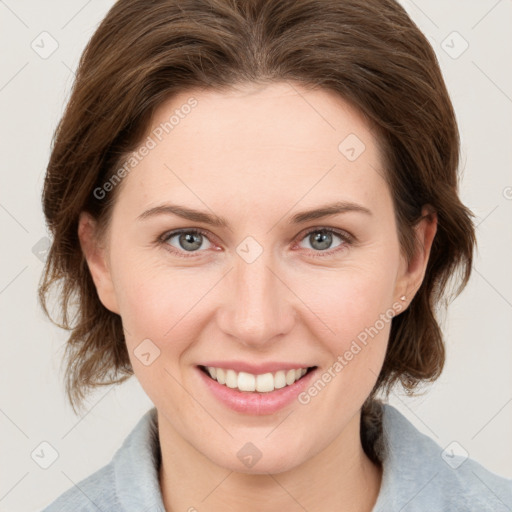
x=471 y=404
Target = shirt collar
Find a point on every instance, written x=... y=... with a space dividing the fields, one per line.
x=410 y=462
x=137 y=467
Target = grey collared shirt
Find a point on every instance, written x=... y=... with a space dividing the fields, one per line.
x=417 y=476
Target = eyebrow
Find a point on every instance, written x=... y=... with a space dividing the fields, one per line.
x=217 y=221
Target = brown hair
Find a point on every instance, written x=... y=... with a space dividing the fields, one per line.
x=369 y=52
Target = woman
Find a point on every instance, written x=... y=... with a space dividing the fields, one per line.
x=255 y=211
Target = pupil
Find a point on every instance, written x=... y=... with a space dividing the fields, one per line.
x=190 y=241
x=324 y=238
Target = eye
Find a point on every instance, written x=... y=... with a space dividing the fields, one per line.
x=185 y=240
x=321 y=240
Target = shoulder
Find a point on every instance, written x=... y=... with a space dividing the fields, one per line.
x=96 y=492
x=419 y=475
x=129 y=483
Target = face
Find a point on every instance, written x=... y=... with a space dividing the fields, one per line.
x=265 y=289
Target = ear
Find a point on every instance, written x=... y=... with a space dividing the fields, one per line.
x=95 y=254
x=413 y=271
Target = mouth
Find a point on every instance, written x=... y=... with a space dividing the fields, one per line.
x=251 y=383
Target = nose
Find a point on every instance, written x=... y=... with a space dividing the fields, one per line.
x=257 y=305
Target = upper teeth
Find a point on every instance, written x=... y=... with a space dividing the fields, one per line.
x=248 y=382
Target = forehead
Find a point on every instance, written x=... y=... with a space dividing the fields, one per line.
x=274 y=142
x=281 y=114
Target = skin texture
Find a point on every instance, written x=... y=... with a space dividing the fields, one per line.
x=256 y=156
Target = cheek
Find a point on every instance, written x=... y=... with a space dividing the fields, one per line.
x=158 y=330
x=146 y=308
x=347 y=301
x=353 y=309
x=163 y=305
x=151 y=301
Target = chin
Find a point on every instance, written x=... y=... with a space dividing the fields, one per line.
x=250 y=460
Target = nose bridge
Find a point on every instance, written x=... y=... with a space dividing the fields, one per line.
x=256 y=310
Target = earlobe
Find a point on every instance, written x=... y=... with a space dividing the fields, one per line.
x=96 y=257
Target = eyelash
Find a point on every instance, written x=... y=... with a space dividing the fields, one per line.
x=346 y=238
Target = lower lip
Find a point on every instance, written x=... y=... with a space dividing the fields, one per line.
x=256 y=403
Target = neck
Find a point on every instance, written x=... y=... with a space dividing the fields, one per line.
x=340 y=477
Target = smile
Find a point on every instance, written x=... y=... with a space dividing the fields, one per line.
x=261 y=383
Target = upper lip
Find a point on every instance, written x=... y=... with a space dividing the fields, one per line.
x=255 y=369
